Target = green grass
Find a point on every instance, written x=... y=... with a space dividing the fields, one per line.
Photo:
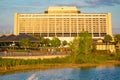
x=81 y=58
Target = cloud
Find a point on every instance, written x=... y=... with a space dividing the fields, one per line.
x=90 y=3
x=77 y=4
x=98 y=3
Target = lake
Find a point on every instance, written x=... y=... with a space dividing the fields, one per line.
x=98 y=73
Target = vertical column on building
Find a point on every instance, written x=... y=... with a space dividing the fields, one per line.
x=25 y=23
x=84 y=25
x=70 y=25
x=30 y=21
x=34 y=25
x=55 y=25
x=62 y=26
x=92 y=27
x=99 y=29
x=109 y=27
x=40 y=26
x=77 y=27
x=48 y=27
x=16 y=24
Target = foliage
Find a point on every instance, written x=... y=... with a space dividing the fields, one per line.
x=26 y=43
x=41 y=40
x=117 y=37
x=64 y=42
x=55 y=42
x=35 y=45
x=85 y=43
x=107 y=38
x=17 y=62
x=74 y=48
x=74 y=45
x=81 y=46
x=46 y=42
x=81 y=58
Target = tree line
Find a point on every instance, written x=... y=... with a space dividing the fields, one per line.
x=82 y=52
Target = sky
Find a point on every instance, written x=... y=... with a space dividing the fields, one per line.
x=9 y=7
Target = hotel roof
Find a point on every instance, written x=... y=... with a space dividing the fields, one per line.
x=62 y=9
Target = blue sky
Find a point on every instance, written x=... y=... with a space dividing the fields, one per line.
x=9 y=7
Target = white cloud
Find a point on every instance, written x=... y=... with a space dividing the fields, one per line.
x=90 y=3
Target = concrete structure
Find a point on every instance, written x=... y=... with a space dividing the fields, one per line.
x=63 y=22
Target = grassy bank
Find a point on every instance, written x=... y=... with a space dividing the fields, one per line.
x=38 y=67
x=71 y=61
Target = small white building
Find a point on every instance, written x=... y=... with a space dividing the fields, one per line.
x=103 y=46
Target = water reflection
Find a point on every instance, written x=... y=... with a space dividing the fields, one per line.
x=98 y=73
x=100 y=67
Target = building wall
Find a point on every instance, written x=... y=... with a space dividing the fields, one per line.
x=110 y=47
x=67 y=24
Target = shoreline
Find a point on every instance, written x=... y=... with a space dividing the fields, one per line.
x=27 y=68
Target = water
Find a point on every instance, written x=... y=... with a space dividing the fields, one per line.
x=105 y=73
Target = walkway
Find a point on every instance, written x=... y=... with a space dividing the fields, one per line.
x=34 y=57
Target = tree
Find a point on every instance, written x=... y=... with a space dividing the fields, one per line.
x=74 y=48
x=26 y=43
x=107 y=40
x=74 y=45
x=41 y=40
x=81 y=46
x=46 y=42
x=64 y=42
x=85 y=43
x=35 y=45
x=55 y=42
x=117 y=38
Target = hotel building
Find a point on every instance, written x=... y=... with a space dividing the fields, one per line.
x=63 y=22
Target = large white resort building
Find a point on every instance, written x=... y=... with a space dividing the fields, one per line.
x=64 y=22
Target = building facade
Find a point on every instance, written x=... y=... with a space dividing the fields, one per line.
x=65 y=21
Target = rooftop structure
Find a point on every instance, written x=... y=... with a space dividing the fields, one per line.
x=62 y=9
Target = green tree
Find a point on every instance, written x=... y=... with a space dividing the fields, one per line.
x=41 y=40
x=117 y=38
x=55 y=42
x=74 y=45
x=35 y=45
x=85 y=43
x=117 y=42
x=46 y=42
x=64 y=42
x=80 y=47
x=107 y=40
x=26 y=43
